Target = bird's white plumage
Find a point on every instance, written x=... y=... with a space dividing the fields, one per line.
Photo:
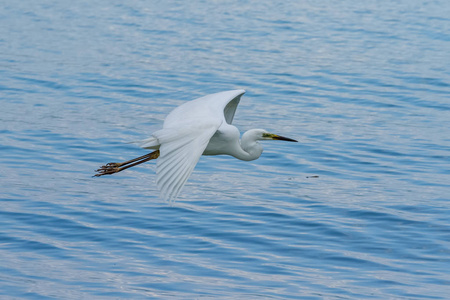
x=195 y=128
x=186 y=133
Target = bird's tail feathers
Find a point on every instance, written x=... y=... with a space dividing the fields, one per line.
x=158 y=137
x=148 y=143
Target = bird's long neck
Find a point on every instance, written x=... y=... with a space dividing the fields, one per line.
x=249 y=148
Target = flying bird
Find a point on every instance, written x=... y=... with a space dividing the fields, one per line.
x=195 y=128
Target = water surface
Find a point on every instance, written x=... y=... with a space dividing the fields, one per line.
x=359 y=209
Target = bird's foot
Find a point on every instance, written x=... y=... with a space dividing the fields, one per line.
x=111 y=168
x=108 y=169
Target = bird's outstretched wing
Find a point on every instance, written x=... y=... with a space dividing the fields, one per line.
x=220 y=106
x=180 y=151
x=185 y=135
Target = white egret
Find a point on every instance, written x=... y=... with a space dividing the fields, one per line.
x=196 y=128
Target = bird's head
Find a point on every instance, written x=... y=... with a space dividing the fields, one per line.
x=249 y=142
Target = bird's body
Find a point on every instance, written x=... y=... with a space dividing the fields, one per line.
x=195 y=128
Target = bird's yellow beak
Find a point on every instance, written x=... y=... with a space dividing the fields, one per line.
x=271 y=136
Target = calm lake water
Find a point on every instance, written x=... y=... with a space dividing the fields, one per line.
x=358 y=209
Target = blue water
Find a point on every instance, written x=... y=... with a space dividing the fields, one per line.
x=358 y=209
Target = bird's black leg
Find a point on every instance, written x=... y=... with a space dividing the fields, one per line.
x=111 y=168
